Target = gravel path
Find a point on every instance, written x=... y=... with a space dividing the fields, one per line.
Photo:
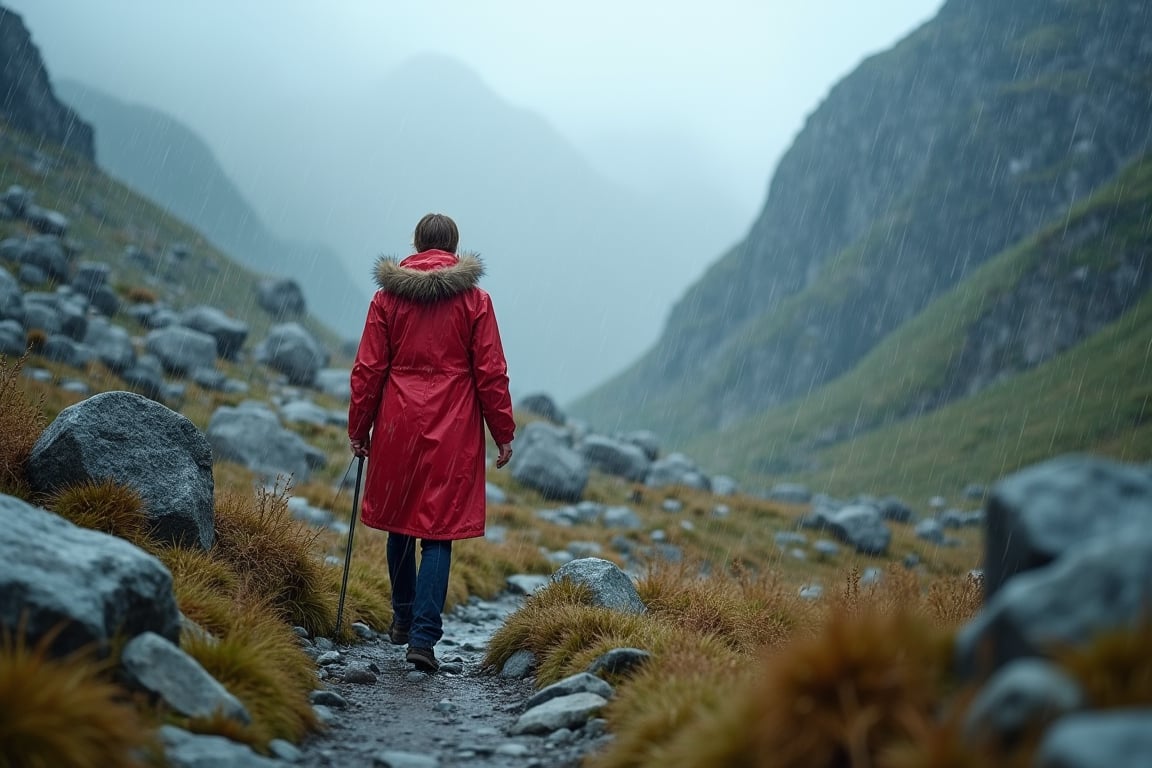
x=410 y=720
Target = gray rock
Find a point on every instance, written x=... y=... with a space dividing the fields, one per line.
x=930 y=530
x=975 y=492
x=541 y=431
x=615 y=457
x=303 y=412
x=328 y=658
x=826 y=548
x=18 y=199
x=722 y=485
x=47 y=222
x=494 y=494
x=895 y=510
x=621 y=518
x=294 y=352
x=610 y=586
x=90 y=276
x=111 y=344
x=871 y=575
x=1106 y=584
x=581 y=549
x=281 y=297
x=582 y=682
x=1025 y=693
x=335 y=382
x=1113 y=739
x=551 y=468
x=570 y=711
x=789 y=538
x=862 y=527
x=544 y=406
x=1045 y=510
x=395 y=759
x=157 y=665
x=208 y=378
x=181 y=350
x=619 y=661
x=62 y=349
x=790 y=493
x=285 y=751
x=676 y=469
x=229 y=333
x=139 y=443
x=42 y=316
x=76 y=387
x=645 y=440
x=186 y=750
x=672 y=505
x=526 y=584
x=359 y=673
x=254 y=437
x=811 y=592
x=519 y=665
x=145 y=375
x=95 y=586
x=12 y=339
x=105 y=301
x=328 y=699
x=47 y=253
x=11 y=298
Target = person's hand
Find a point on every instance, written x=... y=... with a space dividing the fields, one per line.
x=359 y=448
x=505 y=455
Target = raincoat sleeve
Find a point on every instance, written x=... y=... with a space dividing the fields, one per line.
x=369 y=372
x=490 y=372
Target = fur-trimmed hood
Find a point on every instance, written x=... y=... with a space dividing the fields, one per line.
x=430 y=276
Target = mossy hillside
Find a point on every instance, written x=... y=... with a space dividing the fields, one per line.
x=916 y=362
x=106 y=217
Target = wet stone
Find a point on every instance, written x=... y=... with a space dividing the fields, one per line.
x=328 y=699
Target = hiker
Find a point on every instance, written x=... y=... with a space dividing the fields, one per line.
x=429 y=373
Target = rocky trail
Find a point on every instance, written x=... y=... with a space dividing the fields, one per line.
x=461 y=716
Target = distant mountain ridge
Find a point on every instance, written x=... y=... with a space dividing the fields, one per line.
x=29 y=102
x=165 y=160
x=984 y=125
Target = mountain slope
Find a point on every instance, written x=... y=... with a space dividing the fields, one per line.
x=166 y=161
x=1063 y=320
x=981 y=126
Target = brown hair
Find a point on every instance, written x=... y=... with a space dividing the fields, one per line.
x=436 y=231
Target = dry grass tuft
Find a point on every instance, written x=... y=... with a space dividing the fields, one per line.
x=138 y=294
x=275 y=555
x=259 y=661
x=1115 y=669
x=104 y=506
x=521 y=627
x=21 y=422
x=61 y=712
x=205 y=587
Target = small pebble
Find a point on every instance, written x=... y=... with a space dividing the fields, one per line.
x=324 y=714
x=512 y=749
x=358 y=672
x=416 y=676
x=446 y=706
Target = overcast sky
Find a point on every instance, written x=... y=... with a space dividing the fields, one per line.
x=652 y=92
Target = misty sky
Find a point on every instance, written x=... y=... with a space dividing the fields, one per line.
x=670 y=99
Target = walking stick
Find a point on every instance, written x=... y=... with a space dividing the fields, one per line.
x=351 y=534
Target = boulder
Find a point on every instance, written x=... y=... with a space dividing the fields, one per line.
x=62 y=349
x=1104 y=584
x=304 y=412
x=930 y=530
x=31 y=275
x=862 y=527
x=619 y=661
x=139 y=443
x=494 y=494
x=208 y=378
x=553 y=469
x=645 y=440
x=111 y=344
x=42 y=315
x=12 y=339
x=181 y=350
x=90 y=276
x=45 y=221
x=1028 y=693
x=543 y=406
x=676 y=469
x=1040 y=512
x=155 y=664
x=281 y=297
x=187 y=750
x=145 y=375
x=615 y=457
x=18 y=199
x=790 y=493
x=722 y=485
x=11 y=297
x=1112 y=739
x=621 y=517
x=105 y=301
x=229 y=333
x=610 y=586
x=335 y=382
x=94 y=586
x=294 y=352
x=252 y=435
x=895 y=510
x=47 y=253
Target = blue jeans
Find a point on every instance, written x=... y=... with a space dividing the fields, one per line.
x=418 y=599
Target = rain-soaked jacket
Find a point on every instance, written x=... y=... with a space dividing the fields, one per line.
x=430 y=371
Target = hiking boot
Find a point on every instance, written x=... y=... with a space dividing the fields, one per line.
x=398 y=635
x=424 y=659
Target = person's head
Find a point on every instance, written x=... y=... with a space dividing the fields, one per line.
x=436 y=231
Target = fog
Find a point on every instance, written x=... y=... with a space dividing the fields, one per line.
x=599 y=155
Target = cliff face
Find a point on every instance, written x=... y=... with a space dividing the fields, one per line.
x=27 y=101
x=986 y=123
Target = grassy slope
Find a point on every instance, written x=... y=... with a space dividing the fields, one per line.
x=106 y=216
x=1090 y=398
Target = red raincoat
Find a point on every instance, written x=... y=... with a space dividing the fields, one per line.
x=430 y=371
